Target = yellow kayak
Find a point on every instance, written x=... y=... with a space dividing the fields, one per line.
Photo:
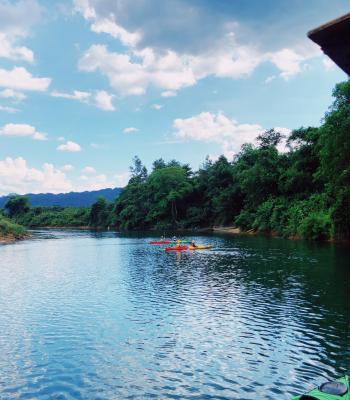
x=199 y=247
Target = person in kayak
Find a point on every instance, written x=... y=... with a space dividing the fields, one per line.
x=193 y=243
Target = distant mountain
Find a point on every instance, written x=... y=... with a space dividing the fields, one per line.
x=72 y=199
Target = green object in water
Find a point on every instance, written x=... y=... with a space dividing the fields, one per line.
x=336 y=390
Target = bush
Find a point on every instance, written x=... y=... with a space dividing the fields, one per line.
x=8 y=228
x=316 y=226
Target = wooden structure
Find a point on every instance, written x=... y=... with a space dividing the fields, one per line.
x=334 y=39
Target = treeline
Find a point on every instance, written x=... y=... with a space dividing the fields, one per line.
x=304 y=192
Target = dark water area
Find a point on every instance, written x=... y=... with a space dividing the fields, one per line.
x=91 y=315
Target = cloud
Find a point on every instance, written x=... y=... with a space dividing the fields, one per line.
x=8 y=109
x=182 y=43
x=129 y=77
x=94 y=182
x=75 y=95
x=88 y=170
x=17 y=177
x=16 y=19
x=12 y=94
x=328 y=63
x=20 y=79
x=103 y=100
x=156 y=106
x=269 y=79
x=22 y=130
x=122 y=179
x=69 y=146
x=288 y=61
x=168 y=93
x=217 y=128
x=110 y=27
x=130 y=129
x=67 y=168
x=8 y=50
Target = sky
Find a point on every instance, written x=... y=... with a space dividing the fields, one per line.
x=85 y=85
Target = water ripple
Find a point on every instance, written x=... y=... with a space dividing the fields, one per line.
x=87 y=315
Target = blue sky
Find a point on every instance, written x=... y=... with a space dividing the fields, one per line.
x=87 y=84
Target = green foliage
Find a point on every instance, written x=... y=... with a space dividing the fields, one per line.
x=17 y=205
x=54 y=216
x=10 y=229
x=98 y=213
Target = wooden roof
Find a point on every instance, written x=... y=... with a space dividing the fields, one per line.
x=334 y=39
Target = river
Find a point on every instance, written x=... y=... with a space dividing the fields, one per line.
x=87 y=315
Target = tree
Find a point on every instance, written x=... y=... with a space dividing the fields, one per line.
x=138 y=171
x=98 y=212
x=17 y=205
x=270 y=138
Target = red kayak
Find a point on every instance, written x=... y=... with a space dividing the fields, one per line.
x=176 y=248
x=160 y=242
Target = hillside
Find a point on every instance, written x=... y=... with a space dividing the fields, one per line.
x=72 y=199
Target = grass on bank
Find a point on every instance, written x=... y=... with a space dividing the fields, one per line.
x=11 y=230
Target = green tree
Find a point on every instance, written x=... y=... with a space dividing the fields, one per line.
x=98 y=212
x=17 y=205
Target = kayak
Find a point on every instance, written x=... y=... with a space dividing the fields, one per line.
x=167 y=242
x=160 y=242
x=339 y=389
x=199 y=247
x=176 y=248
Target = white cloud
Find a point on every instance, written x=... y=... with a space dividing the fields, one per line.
x=61 y=139
x=12 y=94
x=67 y=168
x=20 y=79
x=175 y=48
x=156 y=106
x=116 y=31
x=270 y=78
x=22 y=130
x=134 y=72
x=168 y=93
x=328 y=63
x=209 y=127
x=88 y=170
x=130 y=129
x=8 y=109
x=16 y=19
x=75 y=95
x=69 y=146
x=103 y=100
x=122 y=179
x=8 y=50
x=95 y=182
x=17 y=177
x=129 y=77
x=287 y=61
x=217 y=128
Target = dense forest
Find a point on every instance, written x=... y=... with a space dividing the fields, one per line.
x=304 y=192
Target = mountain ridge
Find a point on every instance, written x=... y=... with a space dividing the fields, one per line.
x=71 y=199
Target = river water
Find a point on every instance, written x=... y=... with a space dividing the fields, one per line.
x=88 y=315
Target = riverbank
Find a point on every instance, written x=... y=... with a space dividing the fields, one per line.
x=10 y=231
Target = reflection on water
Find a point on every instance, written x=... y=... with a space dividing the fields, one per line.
x=91 y=315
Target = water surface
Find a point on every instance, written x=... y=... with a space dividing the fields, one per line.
x=103 y=316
